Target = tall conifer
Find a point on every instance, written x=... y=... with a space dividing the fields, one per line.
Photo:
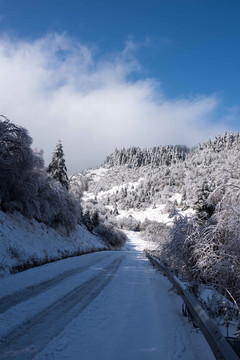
x=57 y=167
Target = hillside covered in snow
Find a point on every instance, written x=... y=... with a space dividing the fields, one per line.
x=25 y=243
x=186 y=200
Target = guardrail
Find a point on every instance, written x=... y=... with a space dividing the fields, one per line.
x=219 y=345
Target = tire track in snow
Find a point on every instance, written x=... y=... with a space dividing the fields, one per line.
x=25 y=341
x=9 y=301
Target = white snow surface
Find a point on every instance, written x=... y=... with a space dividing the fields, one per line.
x=97 y=174
x=152 y=213
x=103 y=194
x=23 y=240
x=156 y=213
x=135 y=314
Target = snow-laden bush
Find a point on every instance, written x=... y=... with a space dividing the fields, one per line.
x=78 y=183
x=177 y=251
x=170 y=208
x=209 y=252
x=129 y=223
x=217 y=244
x=154 y=231
x=111 y=236
x=98 y=219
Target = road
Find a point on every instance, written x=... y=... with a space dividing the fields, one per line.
x=105 y=305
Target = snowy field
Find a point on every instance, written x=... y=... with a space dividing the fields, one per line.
x=100 y=306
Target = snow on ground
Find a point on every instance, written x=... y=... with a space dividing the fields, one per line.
x=153 y=213
x=97 y=174
x=156 y=212
x=139 y=244
x=114 y=306
x=33 y=278
x=176 y=197
x=25 y=241
x=103 y=194
x=150 y=213
x=188 y=213
x=214 y=301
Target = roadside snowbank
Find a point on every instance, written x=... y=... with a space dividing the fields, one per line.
x=26 y=243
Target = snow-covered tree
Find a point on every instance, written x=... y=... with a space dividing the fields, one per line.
x=25 y=185
x=57 y=167
x=78 y=183
x=17 y=161
x=202 y=207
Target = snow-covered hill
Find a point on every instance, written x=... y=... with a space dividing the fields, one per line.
x=162 y=183
x=196 y=192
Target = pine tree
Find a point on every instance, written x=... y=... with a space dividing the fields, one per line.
x=57 y=167
x=203 y=210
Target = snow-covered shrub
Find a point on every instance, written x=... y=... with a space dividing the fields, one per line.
x=209 y=252
x=170 y=208
x=177 y=251
x=129 y=223
x=94 y=214
x=111 y=236
x=91 y=219
x=217 y=245
x=154 y=231
x=98 y=219
x=78 y=183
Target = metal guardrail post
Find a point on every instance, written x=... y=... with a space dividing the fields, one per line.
x=219 y=345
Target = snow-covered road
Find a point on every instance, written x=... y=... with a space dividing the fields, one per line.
x=105 y=305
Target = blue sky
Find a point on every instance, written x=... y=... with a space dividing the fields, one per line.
x=183 y=52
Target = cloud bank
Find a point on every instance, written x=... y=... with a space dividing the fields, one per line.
x=61 y=89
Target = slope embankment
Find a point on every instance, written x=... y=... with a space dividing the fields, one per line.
x=26 y=243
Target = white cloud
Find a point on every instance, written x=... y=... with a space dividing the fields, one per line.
x=60 y=89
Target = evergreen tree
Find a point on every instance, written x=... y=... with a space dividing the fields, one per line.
x=57 y=167
x=203 y=209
